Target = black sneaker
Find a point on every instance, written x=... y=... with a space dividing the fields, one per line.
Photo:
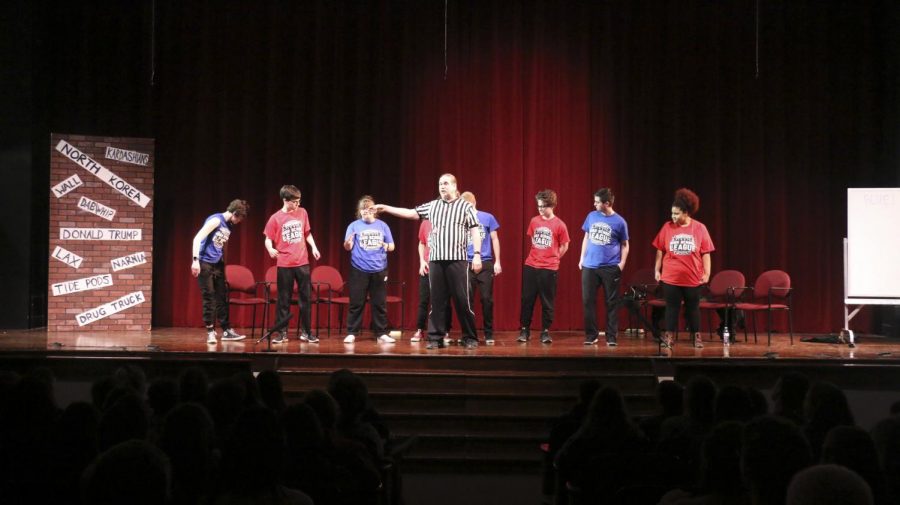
x=470 y=343
x=280 y=337
x=435 y=344
x=545 y=337
x=232 y=335
x=611 y=342
x=590 y=341
x=309 y=337
x=524 y=335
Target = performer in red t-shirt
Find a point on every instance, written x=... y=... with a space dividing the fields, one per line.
x=683 y=263
x=287 y=234
x=549 y=242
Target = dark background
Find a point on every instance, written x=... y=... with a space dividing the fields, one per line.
x=769 y=110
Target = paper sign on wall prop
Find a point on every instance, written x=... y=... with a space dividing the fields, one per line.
x=125 y=262
x=124 y=234
x=85 y=284
x=96 y=208
x=133 y=157
x=69 y=258
x=84 y=161
x=63 y=188
x=108 y=309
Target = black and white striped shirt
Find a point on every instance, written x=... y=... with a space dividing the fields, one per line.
x=450 y=225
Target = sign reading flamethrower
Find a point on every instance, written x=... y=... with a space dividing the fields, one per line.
x=74 y=210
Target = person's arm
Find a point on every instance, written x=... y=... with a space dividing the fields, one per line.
x=657 y=265
x=707 y=267
x=312 y=243
x=584 y=242
x=269 y=247
x=475 y=233
x=495 y=243
x=624 y=252
x=423 y=265
x=204 y=232
x=397 y=211
x=348 y=242
x=562 y=249
x=388 y=247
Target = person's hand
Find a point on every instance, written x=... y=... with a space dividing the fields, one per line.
x=316 y=254
x=273 y=253
x=621 y=267
x=423 y=268
x=195 y=268
x=349 y=240
x=705 y=278
x=476 y=264
x=377 y=208
x=497 y=269
x=657 y=275
x=579 y=264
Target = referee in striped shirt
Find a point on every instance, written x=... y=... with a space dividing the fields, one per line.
x=448 y=269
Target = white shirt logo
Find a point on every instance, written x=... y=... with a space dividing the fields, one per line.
x=220 y=237
x=371 y=240
x=292 y=232
x=542 y=238
x=682 y=244
x=601 y=234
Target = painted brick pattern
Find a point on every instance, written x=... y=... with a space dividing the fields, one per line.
x=62 y=310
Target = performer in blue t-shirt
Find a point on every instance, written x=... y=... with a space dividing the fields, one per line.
x=208 y=266
x=369 y=240
x=483 y=281
x=604 y=251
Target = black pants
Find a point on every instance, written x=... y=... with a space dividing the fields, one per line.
x=483 y=283
x=424 y=302
x=212 y=287
x=674 y=295
x=362 y=284
x=286 y=278
x=450 y=280
x=591 y=279
x=538 y=282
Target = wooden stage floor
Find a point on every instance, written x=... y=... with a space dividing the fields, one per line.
x=566 y=344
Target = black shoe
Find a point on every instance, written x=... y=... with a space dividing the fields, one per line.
x=435 y=344
x=470 y=343
x=524 y=335
x=589 y=341
x=309 y=337
x=611 y=343
x=545 y=337
x=279 y=337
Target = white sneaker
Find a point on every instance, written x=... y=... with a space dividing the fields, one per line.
x=387 y=339
x=447 y=339
x=416 y=336
x=211 y=337
x=349 y=339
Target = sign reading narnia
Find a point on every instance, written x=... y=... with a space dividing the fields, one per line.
x=101 y=233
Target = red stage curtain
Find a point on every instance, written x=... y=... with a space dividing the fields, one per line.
x=343 y=98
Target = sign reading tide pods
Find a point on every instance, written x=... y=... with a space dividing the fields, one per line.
x=85 y=284
x=113 y=307
x=68 y=257
x=84 y=161
x=63 y=188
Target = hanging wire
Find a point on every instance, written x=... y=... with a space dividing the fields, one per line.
x=445 y=39
x=152 y=43
x=757 y=39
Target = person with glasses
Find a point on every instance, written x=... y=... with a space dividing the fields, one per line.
x=549 y=242
x=683 y=264
x=208 y=266
x=369 y=240
x=287 y=235
x=604 y=251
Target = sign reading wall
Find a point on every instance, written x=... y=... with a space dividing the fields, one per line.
x=101 y=233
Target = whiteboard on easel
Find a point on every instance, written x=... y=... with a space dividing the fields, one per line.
x=873 y=244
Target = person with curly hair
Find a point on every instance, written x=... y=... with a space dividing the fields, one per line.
x=683 y=264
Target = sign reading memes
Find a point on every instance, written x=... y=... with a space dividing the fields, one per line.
x=101 y=233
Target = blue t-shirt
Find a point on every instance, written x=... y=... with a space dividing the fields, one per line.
x=487 y=224
x=605 y=236
x=212 y=245
x=368 y=252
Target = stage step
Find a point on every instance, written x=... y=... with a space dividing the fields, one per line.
x=491 y=415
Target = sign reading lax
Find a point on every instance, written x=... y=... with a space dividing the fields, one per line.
x=69 y=258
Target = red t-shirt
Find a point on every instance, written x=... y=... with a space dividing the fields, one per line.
x=424 y=233
x=288 y=232
x=547 y=235
x=683 y=248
